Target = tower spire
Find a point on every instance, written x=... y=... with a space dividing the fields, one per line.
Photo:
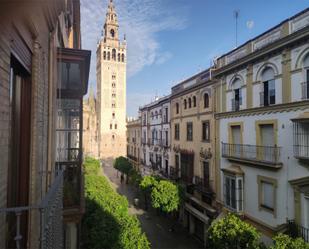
x=111 y=22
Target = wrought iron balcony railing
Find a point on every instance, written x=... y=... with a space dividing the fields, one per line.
x=262 y=154
x=295 y=230
x=203 y=185
x=301 y=151
x=305 y=90
x=49 y=211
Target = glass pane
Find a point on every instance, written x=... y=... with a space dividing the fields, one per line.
x=233 y=193
x=240 y=200
x=268 y=195
x=70 y=75
x=227 y=191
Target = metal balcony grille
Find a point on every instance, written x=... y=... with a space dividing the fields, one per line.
x=267 y=154
x=295 y=230
x=50 y=212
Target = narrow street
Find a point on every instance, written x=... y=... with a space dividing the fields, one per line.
x=156 y=227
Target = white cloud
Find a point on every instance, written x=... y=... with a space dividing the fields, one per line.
x=140 y=20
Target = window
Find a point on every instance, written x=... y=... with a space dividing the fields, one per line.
x=305 y=84
x=233 y=192
x=108 y=55
x=118 y=57
x=267 y=193
x=115 y=126
x=110 y=126
x=113 y=77
x=190 y=103
x=113 y=115
x=206 y=173
x=185 y=104
x=189 y=131
x=104 y=55
x=206 y=100
x=113 y=105
x=112 y=32
x=177 y=163
x=114 y=95
x=156 y=114
x=122 y=57
x=177 y=132
x=177 y=108
x=194 y=101
x=237 y=98
x=114 y=54
x=113 y=85
x=268 y=94
x=166 y=115
x=152 y=115
x=113 y=137
x=206 y=131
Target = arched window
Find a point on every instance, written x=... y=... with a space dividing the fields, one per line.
x=119 y=57
x=190 y=103
x=108 y=55
x=104 y=55
x=185 y=104
x=206 y=100
x=194 y=101
x=268 y=93
x=177 y=108
x=122 y=57
x=237 y=94
x=114 y=54
x=112 y=33
x=305 y=85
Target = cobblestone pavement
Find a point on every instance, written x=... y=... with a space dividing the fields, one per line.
x=157 y=228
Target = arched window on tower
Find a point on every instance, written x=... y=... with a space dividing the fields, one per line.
x=104 y=55
x=112 y=33
x=108 y=55
x=114 y=54
x=190 y=103
x=122 y=57
x=194 y=101
x=119 y=57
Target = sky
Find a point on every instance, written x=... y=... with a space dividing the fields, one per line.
x=171 y=40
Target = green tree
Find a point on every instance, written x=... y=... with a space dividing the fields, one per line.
x=283 y=241
x=146 y=185
x=107 y=222
x=123 y=165
x=232 y=233
x=165 y=196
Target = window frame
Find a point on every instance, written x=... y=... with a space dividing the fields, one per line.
x=190 y=134
x=177 y=132
x=239 y=192
x=206 y=138
x=274 y=183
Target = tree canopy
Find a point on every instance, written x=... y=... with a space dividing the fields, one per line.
x=123 y=165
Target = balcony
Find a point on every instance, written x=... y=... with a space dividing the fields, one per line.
x=295 y=230
x=301 y=135
x=174 y=174
x=203 y=186
x=49 y=213
x=264 y=156
x=305 y=90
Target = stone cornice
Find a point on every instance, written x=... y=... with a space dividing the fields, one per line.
x=286 y=107
x=251 y=57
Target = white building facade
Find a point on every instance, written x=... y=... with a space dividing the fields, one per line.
x=263 y=128
x=155 y=136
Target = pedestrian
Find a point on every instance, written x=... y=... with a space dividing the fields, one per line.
x=121 y=178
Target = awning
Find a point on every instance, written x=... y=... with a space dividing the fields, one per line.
x=234 y=170
x=304 y=117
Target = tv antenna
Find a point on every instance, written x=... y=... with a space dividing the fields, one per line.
x=236 y=16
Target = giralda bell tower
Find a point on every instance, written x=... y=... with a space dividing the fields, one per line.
x=111 y=89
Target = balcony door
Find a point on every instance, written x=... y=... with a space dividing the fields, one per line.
x=187 y=164
x=236 y=141
x=18 y=175
x=267 y=142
